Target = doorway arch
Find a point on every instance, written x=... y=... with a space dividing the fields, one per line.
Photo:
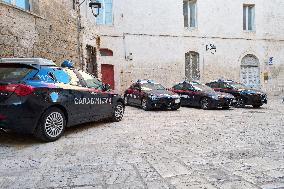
x=250 y=71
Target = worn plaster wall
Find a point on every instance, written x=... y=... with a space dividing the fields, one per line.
x=154 y=33
x=49 y=30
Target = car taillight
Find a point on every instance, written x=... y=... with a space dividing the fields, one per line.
x=19 y=89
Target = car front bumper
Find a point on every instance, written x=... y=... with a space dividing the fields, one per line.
x=164 y=103
x=223 y=102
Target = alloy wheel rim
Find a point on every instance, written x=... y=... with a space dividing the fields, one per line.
x=205 y=103
x=240 y=102
x=54 y=124
x=144 y=104
x=119 y=111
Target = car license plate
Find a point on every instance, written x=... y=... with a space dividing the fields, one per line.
x=177 y=101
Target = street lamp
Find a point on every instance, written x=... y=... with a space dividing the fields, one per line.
x=95 y=5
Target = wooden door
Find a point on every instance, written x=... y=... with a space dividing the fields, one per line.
x=108 y=74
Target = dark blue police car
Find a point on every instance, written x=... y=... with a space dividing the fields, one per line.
x=38 y=97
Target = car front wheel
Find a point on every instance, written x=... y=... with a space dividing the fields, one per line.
x=51 y=125
x=118 y=112
x=240 y=103
x=205 y=104
x=145 y=105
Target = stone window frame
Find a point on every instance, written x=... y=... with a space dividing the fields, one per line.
x=246 y=21
x=188 y=23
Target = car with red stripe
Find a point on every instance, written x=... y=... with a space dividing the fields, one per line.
x=195 y=94
x=40 y=98
x=150 y=95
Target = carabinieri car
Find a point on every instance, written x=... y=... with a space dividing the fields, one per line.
x=151 y=95
x=244 y=95
x=199 y=95
x=38 y=97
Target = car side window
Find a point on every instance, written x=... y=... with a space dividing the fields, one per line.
x=61 y=76
x=189 y=87
x=44 y=75
x=222 y=85
x=214 y=85
x=136 y=86
x=91 y=81
x=74 y=80
x=178 y=87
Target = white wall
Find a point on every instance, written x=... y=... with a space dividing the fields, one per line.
x=153 y=31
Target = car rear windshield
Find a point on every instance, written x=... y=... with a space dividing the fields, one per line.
x=13 y=72
x=152 y=86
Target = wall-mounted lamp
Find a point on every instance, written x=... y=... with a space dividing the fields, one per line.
x=95 y=6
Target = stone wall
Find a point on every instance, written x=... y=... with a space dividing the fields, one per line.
x=48 y=30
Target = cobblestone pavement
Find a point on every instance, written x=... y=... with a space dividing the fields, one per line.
x=188 y=148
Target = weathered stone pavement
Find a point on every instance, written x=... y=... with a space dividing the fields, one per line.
x=188 y=148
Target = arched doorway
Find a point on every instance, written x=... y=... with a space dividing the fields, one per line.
x=192 y=70
x=250 y=71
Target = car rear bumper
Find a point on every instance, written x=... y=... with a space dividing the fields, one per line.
x=18 y=118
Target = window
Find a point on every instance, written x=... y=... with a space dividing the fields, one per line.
x=190 y=14
x=248 y=17
x=24 y=4
x=105 y=16
x=91 y=81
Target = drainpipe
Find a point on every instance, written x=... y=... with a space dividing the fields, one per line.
x=80 y=50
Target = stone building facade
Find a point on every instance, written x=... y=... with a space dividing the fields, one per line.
x=39 y=28
x=172 y=40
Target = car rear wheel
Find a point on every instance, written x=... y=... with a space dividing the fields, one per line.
x=144 y=104
x=240 y=103
x=205 y=104
x=118 y=112
x=51 y=125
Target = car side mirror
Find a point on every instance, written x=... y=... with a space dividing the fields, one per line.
x=106 y=87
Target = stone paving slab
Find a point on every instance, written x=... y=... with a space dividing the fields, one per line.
x=188 y=148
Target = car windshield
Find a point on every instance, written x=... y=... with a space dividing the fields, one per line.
x=238 y=86
x=13 y=73
x=201 y=87
x=152 y=86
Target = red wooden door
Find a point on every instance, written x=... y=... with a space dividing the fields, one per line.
x=108 y=74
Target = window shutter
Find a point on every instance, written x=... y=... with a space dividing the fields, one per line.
x=100 y=17
x=185 y=13
x=108 y=11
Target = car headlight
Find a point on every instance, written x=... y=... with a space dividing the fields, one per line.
x=153 y=97
x=215 y=97
x=175 y=96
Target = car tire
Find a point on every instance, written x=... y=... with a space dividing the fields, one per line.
x=240 y=103
x=257 y=105
x=175 y=107
x=126 y=101
x=118 y=112
x=51 y=125
x=205 y=103
x=144 y=104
